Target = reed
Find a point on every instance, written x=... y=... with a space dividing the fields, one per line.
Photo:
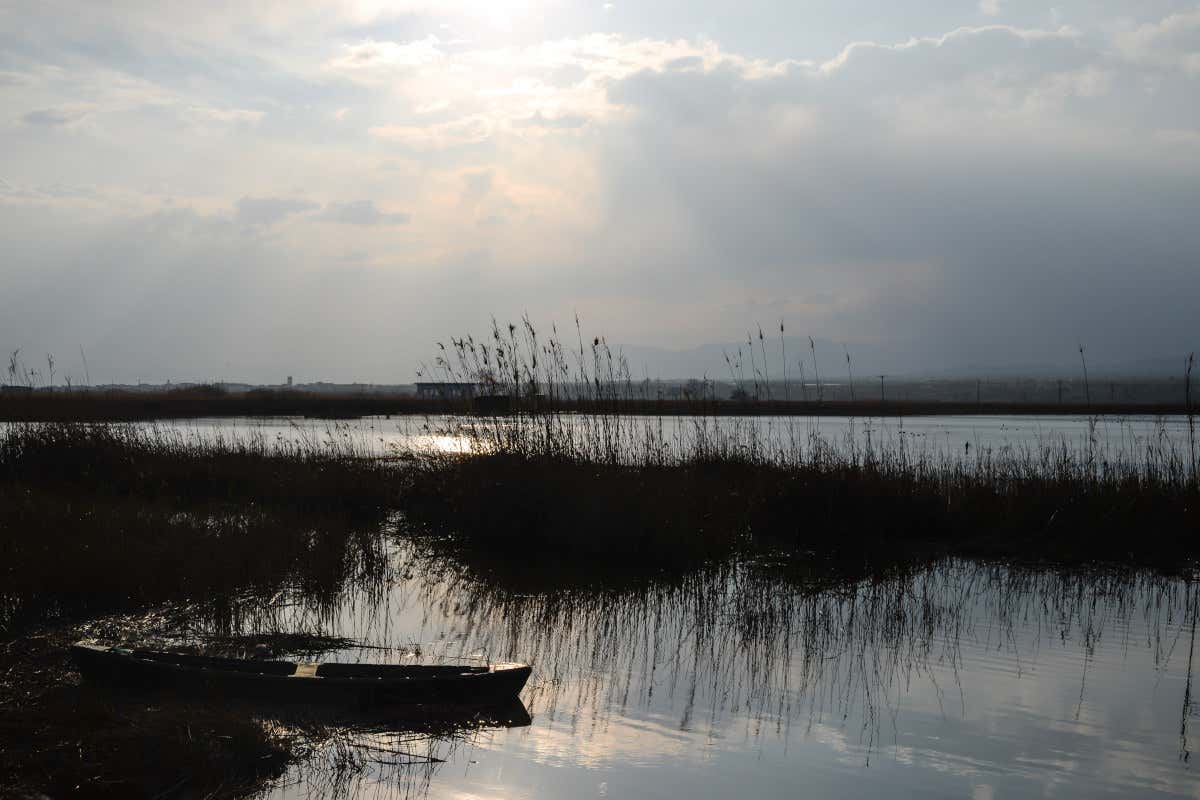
x=169 y=533
x=551 y=489
x=95 y=519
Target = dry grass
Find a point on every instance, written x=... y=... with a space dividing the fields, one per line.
x=544 y=491
x=96 y=519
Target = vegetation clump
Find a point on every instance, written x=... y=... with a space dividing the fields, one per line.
x=539 y=490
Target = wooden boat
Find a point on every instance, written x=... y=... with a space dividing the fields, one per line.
x=306 y=682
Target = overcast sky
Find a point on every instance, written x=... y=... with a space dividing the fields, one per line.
x=245 y=190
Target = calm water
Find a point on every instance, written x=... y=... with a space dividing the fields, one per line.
x=967 y=680
x=943 y=435
x=964 y=681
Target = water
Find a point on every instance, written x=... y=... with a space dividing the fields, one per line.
x=964 y=680
x=953 y=436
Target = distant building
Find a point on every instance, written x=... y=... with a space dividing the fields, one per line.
x=289 y=383
x=448 y=391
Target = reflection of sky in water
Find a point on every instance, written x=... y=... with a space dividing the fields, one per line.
x=965 y=682
x=442 y=443
x=949 y=435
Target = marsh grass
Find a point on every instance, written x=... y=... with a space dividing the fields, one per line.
x=75 y=404
x=98 y=519
x=541 y=490
x=178 y=537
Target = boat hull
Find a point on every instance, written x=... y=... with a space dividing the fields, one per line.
x=282 y=680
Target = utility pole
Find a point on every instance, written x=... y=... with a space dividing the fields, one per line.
x=881 y=395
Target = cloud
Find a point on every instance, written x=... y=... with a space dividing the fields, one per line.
x=984 y=47
x=1173 y=42
x=373 y=60
x=205 y=115
x=562 y=122
x=266 y=211
x=362 y=212
x=14 y=79
x=51 y=191
x=952 y=174
x=477 y=185
x=469 y=130
x=60 y=116
x=990 y=8
x=433 y=106
x=981 y=190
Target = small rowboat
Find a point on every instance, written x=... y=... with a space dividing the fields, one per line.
x=307 y=682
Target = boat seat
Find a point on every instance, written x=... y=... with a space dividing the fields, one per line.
x=395 y=671
x=225 y=664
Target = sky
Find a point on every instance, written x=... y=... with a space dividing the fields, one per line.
x=248 y=190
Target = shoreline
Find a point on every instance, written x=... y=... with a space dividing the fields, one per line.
x=139 y=407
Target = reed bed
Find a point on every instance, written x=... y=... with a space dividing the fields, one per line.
x=62 y=404
x=539 y=491
x=97 y=519
x=171 y=533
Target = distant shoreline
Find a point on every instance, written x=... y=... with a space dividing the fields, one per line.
x=126 y=406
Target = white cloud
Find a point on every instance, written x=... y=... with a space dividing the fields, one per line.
x=372 y=60
x=1173 y=42
x=222 y=116
x=456 y=133
x=555 y=87
x=433 y=106
x=990 y=8
x=988 y=45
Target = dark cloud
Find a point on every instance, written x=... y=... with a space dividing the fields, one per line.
x=954 y=194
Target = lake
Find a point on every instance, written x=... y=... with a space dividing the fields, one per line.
x=962 y=680
x=953 y=437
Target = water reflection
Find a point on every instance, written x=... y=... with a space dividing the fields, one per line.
x=962 y=679
x=380 y=753
x=1109 y=438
